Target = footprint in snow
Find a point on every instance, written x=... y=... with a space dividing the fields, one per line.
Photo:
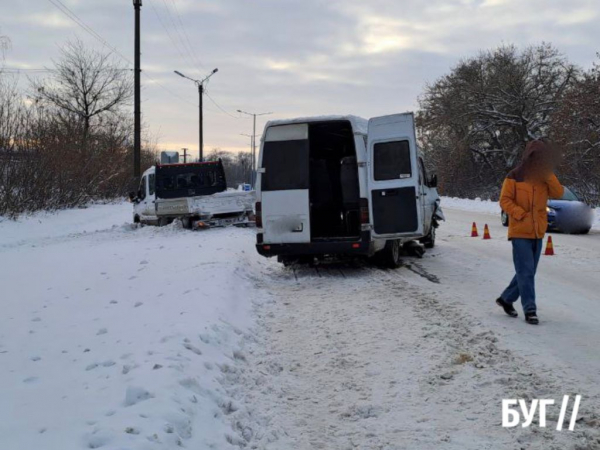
x=35 y=358
x=193 y=349
x=36 y=319
x=134 y=395
x=137 y=304
x=101 y=331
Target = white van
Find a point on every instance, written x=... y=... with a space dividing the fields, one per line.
x=342 y=185
x=195 y=193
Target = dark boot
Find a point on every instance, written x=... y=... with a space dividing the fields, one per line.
x=507 y=307
x=532 y=318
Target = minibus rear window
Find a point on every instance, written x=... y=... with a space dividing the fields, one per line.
x=392 y=160
x=285 y=165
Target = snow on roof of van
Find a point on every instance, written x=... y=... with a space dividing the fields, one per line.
x=359 y=125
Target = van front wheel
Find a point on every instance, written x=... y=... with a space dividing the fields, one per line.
x=390 y=255
x=429 y=240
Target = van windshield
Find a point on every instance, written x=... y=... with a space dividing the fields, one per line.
x=569 y=195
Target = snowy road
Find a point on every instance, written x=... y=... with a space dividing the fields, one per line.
x=113 y=337
x=421 y=357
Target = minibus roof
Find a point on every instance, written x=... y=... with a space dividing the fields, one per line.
x=359 y=125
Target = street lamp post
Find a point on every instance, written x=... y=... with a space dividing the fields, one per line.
x=200 y=84
x=253 y=158
x=137 y=114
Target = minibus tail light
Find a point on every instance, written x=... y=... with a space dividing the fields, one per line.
x=258 y=210
x=364 y=211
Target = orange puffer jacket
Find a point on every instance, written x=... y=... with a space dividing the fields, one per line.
x=525 y=203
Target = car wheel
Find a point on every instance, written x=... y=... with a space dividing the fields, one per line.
x=390 y=255
x=504 y=218
x=186 y=222
x=429 y=240
x=586 y=231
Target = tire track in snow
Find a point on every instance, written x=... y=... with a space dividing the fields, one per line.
x=374 y=359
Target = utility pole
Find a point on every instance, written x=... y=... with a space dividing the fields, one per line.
x=137 y=114
x=184 y=155
x=201 y=122
x=253 y=158
x=200 y=84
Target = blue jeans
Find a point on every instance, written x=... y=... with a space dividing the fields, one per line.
x=526 y=255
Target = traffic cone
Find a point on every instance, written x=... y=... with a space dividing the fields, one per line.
x=474 y=230
x=486 y=232
x=549 y=247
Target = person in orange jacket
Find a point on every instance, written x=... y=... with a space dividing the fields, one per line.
x=524 y=198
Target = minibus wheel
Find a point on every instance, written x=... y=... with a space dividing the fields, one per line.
x=390 y=255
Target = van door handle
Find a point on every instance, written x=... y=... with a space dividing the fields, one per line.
x=299 y=228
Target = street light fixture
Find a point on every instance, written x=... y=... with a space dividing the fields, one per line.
x=253 y=157
x=200 y=84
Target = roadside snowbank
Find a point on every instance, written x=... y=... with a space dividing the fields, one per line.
x=113 y=336
x=45 y=225
x=475 y=205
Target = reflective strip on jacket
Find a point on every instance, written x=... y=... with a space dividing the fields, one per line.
x=525 y=202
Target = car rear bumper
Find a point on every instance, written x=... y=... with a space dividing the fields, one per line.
x=363 y=246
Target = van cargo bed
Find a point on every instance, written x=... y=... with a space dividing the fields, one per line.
x=227 y=202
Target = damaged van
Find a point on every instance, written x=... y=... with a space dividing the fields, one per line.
x=343 y=185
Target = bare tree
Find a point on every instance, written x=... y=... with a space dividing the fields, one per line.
x=576 y=125
x=72 y=145
x=475 y=121
x=237 y=165
x=86 y=84
x=4 y=46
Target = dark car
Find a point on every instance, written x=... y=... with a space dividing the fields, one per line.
x=568 y=215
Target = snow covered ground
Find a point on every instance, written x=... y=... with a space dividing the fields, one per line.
x=112 y=336
x=116 y=337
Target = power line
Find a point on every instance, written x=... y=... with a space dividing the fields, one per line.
x=88 y=29
x=187 y=37
x=219 y=106
x=71 y=15
x=46 y=69
x=183 y=44
x=18 y=70
x=170 y=36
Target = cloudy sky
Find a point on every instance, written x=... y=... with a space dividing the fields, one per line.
x=292 y=57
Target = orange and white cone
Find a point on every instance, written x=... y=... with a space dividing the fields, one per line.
x=474 y=230
x=549 y=247
x=486 y=232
